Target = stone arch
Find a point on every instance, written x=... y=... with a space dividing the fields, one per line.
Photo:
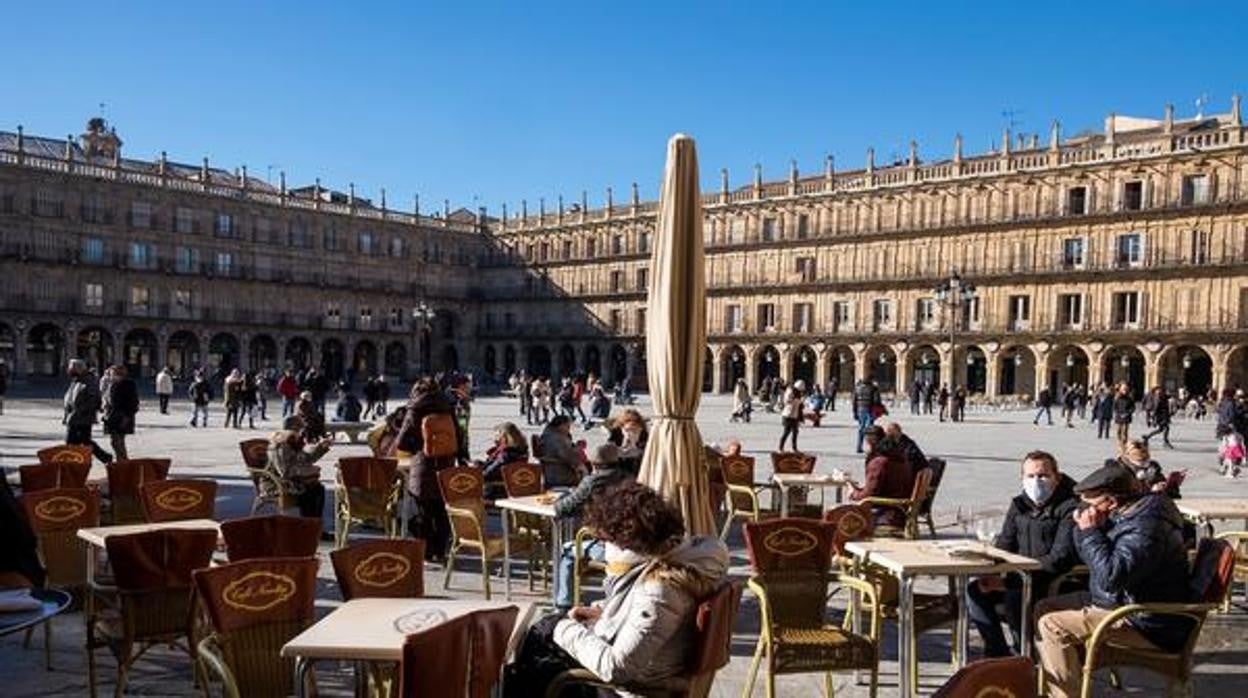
x=1186 y=366
x=262 y=353
x=842 y=367
x=95 y=346
x=567 y=361
x=767 y=365
x=333 y=359
x=708 y=371
x=8 y=345
x=45 y=350
x=975 y=367
x=450 y=358
x=1124 y=363
x=364 y=359
x=182 y=353
x=539 y=363
x=298 y=353
x=1016 y=371
x=802 y=365
x=618 y=357
x=732 y=367
x=223 y=353
x=138 y=353
x=396 y=360
x=509 y=359
x=882 y=367
x=593 y=361
x=1237 y=368
x=1067 y=364
x=924 y=364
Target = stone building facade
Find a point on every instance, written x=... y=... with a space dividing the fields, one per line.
x=147 y=263
x=1102 y=257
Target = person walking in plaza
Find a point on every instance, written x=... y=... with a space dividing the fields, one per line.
x=313 y=419
x=1044 y=406
x=1133 y=546
x=200 y=393
x=1103 y=412
x=916 y=396
x=1038 y=525
x=959 y=404
x=348 y=408
x=370 y=396
x=122 y=406
x=383 y=396
x=317 y=385
x=791 y=413
x=1069 y=401
x=247 y=399
x=164 y=388
x=288 y=390
x=742 y=404
x=830 y=393
x=866 y=399
x=1160 y=417
x=929 y=396
x=942 y=399
x=1124 y=412
x=82 y=407
x=232 y=391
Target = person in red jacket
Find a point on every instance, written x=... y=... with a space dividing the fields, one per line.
x=888 y=475
x=288 y=388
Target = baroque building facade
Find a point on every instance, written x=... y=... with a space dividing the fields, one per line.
x=1116 y=255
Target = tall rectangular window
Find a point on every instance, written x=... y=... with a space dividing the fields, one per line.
x=140 y=300
x=182 y=302
x=617 y=244
x=1070 y=310
x=1077 y=201
x=591 y=248
x=1133 y=196
x=397 y=248
x=841 y=317
x=1199 y=253
x=641 y=321
x=925 y=313
x=643 y=241
x=366 y=318
x=396 y=318
x=1196 y=190
x=881 y=314
x=1129 y=251
x=1126 y=309
x=224 y=225
x=617 y=319
x=141 y=215
x=617 y=281
x=333 y=314
x=184 y=220
x=803 y=317
x=368 y=244
x=736 y=231
x=92 y=251
x=331 y=239
x=733 y=319
x=142 y=255
x=187 y=260
x=766 y=317
x=1020 y=312
x=48 y=204
x=769 y=230
x=567 y=249
x=299 y=236
x=1072 y=253
x=225 y=263
x=806 y=269
x=803 y=226
x=643 y=278
x=93 y=296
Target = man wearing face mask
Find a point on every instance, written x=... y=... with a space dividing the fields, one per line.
x=1038 y=525
x=1132 y=543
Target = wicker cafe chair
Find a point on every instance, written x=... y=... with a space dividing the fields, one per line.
x=270 y=536
x=712 y=645
x=852 y=522
x=55 y=516
x=254 y=608
x=742 y=493
x=792 y=560
x=268 y=486
x=463 y=490
x=1211 y=575
x=125 y=477
x=152 y=571
x=65 y=453
x=491 y=635
x=50 y=476
x=937 y=466
x=1239 y=540
x=584 y=566
x=909 y=508
x=368 y=493
x=381 y=568
x=801 y=464
x=178 y=500
x=436 y=661
x=1013 y=676
x=524 y=479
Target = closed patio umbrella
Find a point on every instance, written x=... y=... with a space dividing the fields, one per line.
x=676 y=342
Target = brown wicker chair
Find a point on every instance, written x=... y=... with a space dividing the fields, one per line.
x=1012 y=676
x=65 y=453
x=792 y=561
x=743 y=495
x=463 y=490
x=1211 y=576
x=801 y=464
x=584 y=566
x=268 y=486
x=125 y=477
x=1238 y=539
x=937 y=466
x=909 y=508
x=368 y=493
x=254 y=608
x=712 y=621
x=381 y=568
x=436 y=661
x=524 y=479
x=178 y=500
x=51 y=476
x=55 y=516
x=152 y=572
x=270 y=536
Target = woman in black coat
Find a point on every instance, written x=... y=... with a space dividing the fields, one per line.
x=123 y=405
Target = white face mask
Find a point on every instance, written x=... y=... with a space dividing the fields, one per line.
x=1038 y=488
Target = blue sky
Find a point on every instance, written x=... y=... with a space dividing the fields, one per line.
x=505 y=101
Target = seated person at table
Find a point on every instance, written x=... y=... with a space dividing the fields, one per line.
x=311 y=418
x=349 y=407
x=1038 y=525
x=561 y=458
x=888 y=475
x=1132 y=543
x=509 y=447
x=606 y=473
x=292 y=459
x=914 y=455
x=642 y=632
x=629 y=432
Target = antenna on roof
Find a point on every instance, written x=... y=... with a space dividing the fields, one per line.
x=1201 y=102
x=1010 y=116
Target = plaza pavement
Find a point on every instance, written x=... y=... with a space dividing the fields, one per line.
x=983 y=454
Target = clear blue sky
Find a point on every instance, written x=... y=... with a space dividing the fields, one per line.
x=505 y=101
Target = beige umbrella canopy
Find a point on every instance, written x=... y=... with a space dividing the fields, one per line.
x=676 y=341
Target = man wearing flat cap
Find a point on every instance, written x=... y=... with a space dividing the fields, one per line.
x=1132 y=543
x=607 y=471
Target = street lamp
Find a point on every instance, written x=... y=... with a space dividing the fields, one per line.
x=421 y=315
x=951 y=294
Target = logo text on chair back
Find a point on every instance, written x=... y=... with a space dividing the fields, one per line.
x=60 y=509
x=381 y=569
x=258 y=591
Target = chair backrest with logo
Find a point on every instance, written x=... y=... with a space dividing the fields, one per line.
x=55 y=516
x=178 y=500
x=255 y=453
x=386 y=568
x=125 y=477
x=270 y=536
x=522 y=479
x=463 y=490
x=369 y=483
x=852 y=522
x=937 y=466
x=1012 y=677
x=713 y=625
x=1213 y=570
x=792 y=462
x=65 y=453
x=792 y=559
x=153 y=574
x=447 y=646
x=491 y=633
x=47 y=476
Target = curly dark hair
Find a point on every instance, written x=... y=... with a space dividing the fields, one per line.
x=635 y=518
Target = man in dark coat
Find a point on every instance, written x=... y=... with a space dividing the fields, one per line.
x=82 y=405
x=1133 y=546
x=866 y=396
x=1039 y=525
x=122 y=406
x=888 y=474
x=1124 y=411
x=429 y=519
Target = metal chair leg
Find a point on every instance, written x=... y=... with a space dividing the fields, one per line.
x=485 y=574
x=47 y=644
x=753 y=674
x=450 y=565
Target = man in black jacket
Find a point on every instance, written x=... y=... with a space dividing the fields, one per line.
x=607 y=471
x=1038 y=525
x=1133 y=546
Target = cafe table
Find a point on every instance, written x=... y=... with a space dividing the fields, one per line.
x=51 y=602
x=958 y=559
x=374 y=630
x=786 y=481
x=1203 y=511
x=540 y=505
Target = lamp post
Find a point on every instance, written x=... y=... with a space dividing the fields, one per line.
x=421 y=315
x=951 y=294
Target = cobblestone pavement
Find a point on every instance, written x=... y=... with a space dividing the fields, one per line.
x=983 y=455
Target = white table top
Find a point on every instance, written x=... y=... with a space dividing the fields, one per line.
x=931 y=557
x=808 y=480
x=528 y=505
x=95 y=536
x=1213 y=507
x=375 y=629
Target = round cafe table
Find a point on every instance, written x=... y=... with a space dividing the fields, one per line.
x=53 y=601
